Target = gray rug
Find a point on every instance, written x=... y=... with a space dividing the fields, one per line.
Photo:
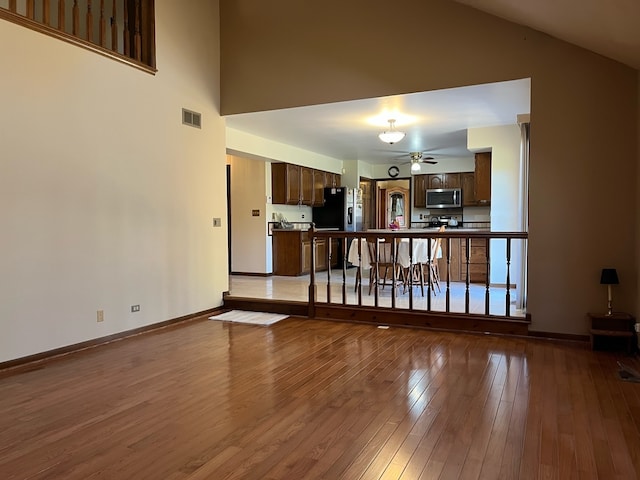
x=252 y=318
x=628 y=374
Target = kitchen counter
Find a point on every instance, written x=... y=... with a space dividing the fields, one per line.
x=461 y=230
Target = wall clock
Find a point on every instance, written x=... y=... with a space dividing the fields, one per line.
x=393 y=171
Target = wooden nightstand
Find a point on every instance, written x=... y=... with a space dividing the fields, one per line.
x=614 y=326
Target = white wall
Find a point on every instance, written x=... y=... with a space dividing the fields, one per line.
x=252 y=146
x=504 y=144
x=106 y=199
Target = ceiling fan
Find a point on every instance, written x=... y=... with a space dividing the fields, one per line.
x=416 y=159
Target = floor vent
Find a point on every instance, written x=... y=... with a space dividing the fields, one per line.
x=193 y=119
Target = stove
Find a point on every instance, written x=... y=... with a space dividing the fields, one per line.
x=438 y=221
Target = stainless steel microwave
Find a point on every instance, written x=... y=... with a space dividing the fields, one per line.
x=444 y=198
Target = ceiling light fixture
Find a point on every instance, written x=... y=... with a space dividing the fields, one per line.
x=415 y=165
x=392 y=135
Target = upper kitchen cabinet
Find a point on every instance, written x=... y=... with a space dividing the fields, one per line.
x=331 y=179
x=285 y=183
x=306 y=186
x=468 y=181
x=318 y=188
x=420 y=183
x=444 y=180
x=296 y=185
x=483 y=178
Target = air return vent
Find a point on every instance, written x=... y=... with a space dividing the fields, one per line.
x=193 y=119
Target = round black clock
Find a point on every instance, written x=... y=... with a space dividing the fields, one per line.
x=393 y=171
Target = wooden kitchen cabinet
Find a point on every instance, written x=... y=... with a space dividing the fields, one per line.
x=454 y=265
x=285 y=183
x=292 y=252
x=458 y=267
x=420 y=183
x=331 y=179
x=477 y=259
x=306 y=186
x=321 y=255
x=483 y=178
x=444 y=180
x=468 y=182
x=296 y=185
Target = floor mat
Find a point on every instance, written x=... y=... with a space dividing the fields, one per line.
x=252 y=318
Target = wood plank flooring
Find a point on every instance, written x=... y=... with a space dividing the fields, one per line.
x=308 y=399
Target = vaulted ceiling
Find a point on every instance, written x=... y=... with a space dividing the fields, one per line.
x=344 y=130
x=608 y=27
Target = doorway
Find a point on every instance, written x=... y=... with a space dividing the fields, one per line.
x=393 y=203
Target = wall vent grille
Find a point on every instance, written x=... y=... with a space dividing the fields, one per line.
x=193 y=119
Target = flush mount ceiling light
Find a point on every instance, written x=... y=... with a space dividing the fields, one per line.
x=392 y=135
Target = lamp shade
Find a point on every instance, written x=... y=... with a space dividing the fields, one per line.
x=609 y=276
x=392 y=135
x=415 y=167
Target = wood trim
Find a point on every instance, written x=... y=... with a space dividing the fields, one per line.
x=421 y=319
x=35 y=361
x=296 y=309
x=252 y=274
x=560 y=336
x=66 y=37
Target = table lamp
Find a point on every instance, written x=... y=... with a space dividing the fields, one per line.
x=609 y=277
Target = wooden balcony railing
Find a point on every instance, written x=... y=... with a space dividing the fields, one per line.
x=411 y=286
x=120 y=29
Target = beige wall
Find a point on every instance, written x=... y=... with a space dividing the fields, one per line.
x=584 y=110
x=106 y=199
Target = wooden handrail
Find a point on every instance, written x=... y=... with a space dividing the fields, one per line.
x=61 y=14
x=391 y=237
x=89 y=21
x=138 y=34
x=114 y=27
x=46 y=12
x=102 y=38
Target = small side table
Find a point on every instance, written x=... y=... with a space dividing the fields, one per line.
x=617 y=325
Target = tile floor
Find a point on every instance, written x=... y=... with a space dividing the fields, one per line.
x=296 y=289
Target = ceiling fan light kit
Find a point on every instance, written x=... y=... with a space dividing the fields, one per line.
x=415 y=166
x=392 y=135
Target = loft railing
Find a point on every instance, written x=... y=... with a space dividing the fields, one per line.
x=119 y=29
x=411 y=286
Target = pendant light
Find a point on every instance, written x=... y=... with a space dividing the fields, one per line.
x=392 y=135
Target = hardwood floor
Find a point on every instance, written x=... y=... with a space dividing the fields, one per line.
x=316 y=399
x=297 y=289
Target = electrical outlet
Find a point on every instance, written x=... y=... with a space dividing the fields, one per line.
x=135 y=308
x=217 y=222
x=100 y=316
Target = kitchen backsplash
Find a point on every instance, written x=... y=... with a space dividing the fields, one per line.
x=293 y=213
x=477 y=214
